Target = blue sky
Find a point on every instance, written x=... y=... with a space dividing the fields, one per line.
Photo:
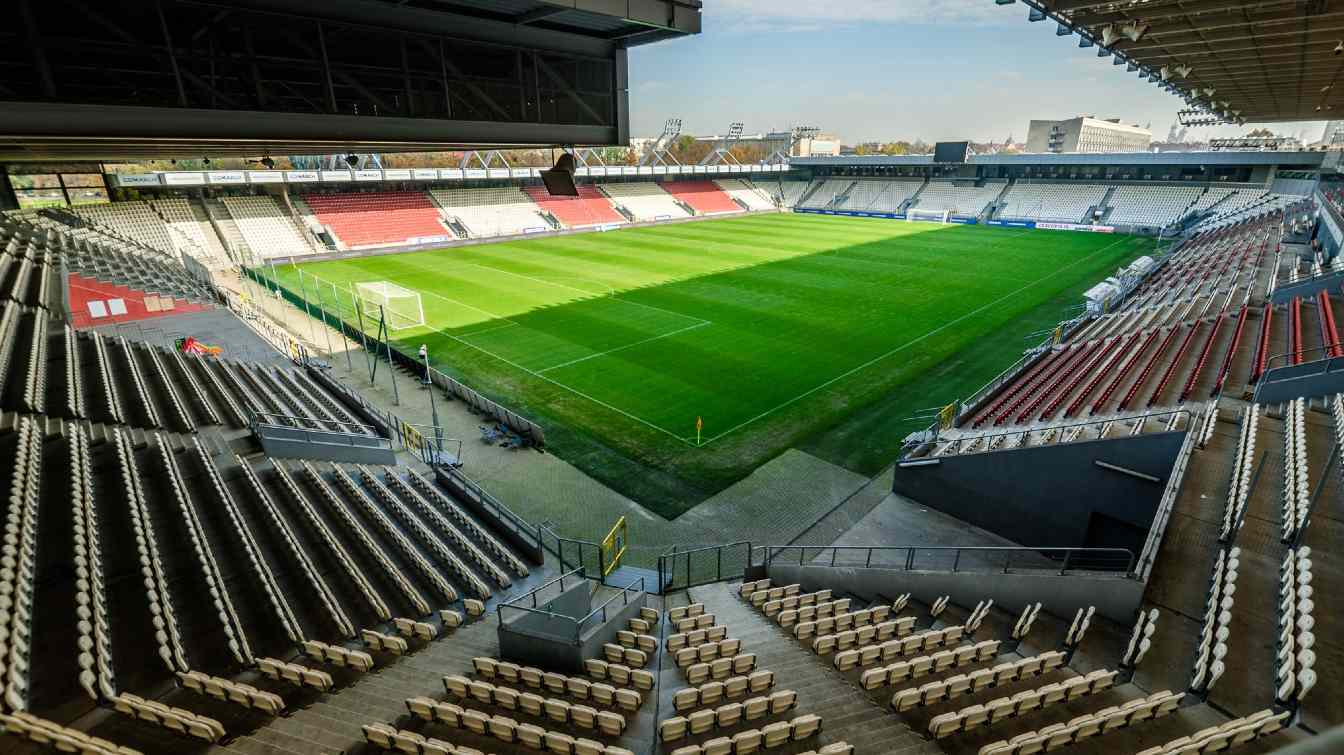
x=885 y=70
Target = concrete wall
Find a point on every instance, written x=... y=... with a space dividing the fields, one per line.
x=547 y=640
x=1054 y=495
x=1116 y=598
x=319 y=445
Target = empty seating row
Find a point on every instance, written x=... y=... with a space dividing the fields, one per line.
x=890 y=649
x=1295 y=674
x=710 y=693
x=704 y=197
x=707 y=651
x=386 y=643
x=1063 y=203
x=1216 y=627
x=1104 y=721
x=965 y=684
x=499 y=211
x=574 y=686
x=935 y=663
x=645 y=200
x=591 y=207
x=961 y=200
x=95 y=640
x=334 y=504
x=695 y=638
x=998 y=709
x=792 y=602
x=632 y=657
x=721 y=668
x=235 y=692
x=863 y=637
x=469 y=525
x=44 y=732
x=503 y=728
x=403 y=740
x=727 y=715
x=745 y=192
x=1235 y=732
x=266 y=227
x=822 y=617
x=1240 y=489
x=560 y=711
x=618 y=674
x=205 y=557
x=302 y=676
x=318 y=524
x=770 y=736
x=176 y=719
x=428 y=539
x=380 y=218
x=18 y=578
x=446 y=529
x=1296 y=501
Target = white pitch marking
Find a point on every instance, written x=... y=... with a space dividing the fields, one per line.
x=626 y=346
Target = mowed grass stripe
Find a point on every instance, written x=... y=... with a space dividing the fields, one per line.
x=594 y=330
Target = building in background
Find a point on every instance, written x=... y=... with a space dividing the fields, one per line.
x=1087 y=134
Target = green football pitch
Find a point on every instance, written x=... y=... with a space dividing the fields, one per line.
x=774 y=330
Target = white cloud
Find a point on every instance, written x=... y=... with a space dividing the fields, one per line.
x=797 y=12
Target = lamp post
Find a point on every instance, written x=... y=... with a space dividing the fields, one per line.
x=433 y=407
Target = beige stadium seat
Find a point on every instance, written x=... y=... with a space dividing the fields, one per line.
x=701 y=721
x=776 y=733
x=728 y=715
x=559 y=742
x=674 y=728
x=804 y=726
x=746 y=742
x=756 y=707
x=718 y=746
x=760 y=681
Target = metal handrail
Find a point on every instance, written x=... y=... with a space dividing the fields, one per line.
x=636 y=587
x=1081 y=423
x=286 y=420
x=1068 y=558
x=667 y=564
x=1270 y=363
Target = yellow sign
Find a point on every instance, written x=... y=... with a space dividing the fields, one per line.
x=614 y=546
x=947 y=415
x=413 y=438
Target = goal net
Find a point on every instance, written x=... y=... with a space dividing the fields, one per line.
x=927 y=216
x=400 y=305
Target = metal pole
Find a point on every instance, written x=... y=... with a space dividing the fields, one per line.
x=387 y=347
x=433 y=408
x=321 y=307
x=303 y=291
x=345 y=343
x=369 y=361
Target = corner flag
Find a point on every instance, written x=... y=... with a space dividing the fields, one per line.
x=699 y=425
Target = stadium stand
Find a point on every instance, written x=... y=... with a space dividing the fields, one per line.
x=704 y=197
x=879 y=196
x=135 y=221
x=187 y=233
x=589 y=208
x=1061 y=203
x=382 y=218
x=1157 y=206
x=960 y=200
x=645 y=201
x=747 y=193
x=503 y=211
x=790 y=192
x=266 y=227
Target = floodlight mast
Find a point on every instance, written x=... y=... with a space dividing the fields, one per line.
x=796 y=137
x=659 y=151
x=721 y=154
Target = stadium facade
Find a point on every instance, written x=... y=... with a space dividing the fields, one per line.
x=1086 y=134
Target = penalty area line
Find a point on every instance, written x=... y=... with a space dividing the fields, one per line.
x=626 y=346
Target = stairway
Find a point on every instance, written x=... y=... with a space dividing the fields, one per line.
x=847 y=713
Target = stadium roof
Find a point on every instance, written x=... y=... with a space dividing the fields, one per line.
x=1309 y=160
x=187 y=78
x=1271 y=60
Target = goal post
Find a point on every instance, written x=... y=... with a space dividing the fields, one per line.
x=927 y=216
x=402 y=307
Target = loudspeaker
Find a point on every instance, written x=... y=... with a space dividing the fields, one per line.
x=560 y=179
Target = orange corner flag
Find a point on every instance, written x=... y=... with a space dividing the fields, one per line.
x=699 y=424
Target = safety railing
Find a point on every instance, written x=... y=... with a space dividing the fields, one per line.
x=573 y=553
x=500 y=515
x=985 y=440
x=598 y=616
x=317 y=431
x=563 y=626
x=680 y=569
x=983 y=559
x=1316 y=354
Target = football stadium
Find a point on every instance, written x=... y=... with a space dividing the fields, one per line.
x=313 y=448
